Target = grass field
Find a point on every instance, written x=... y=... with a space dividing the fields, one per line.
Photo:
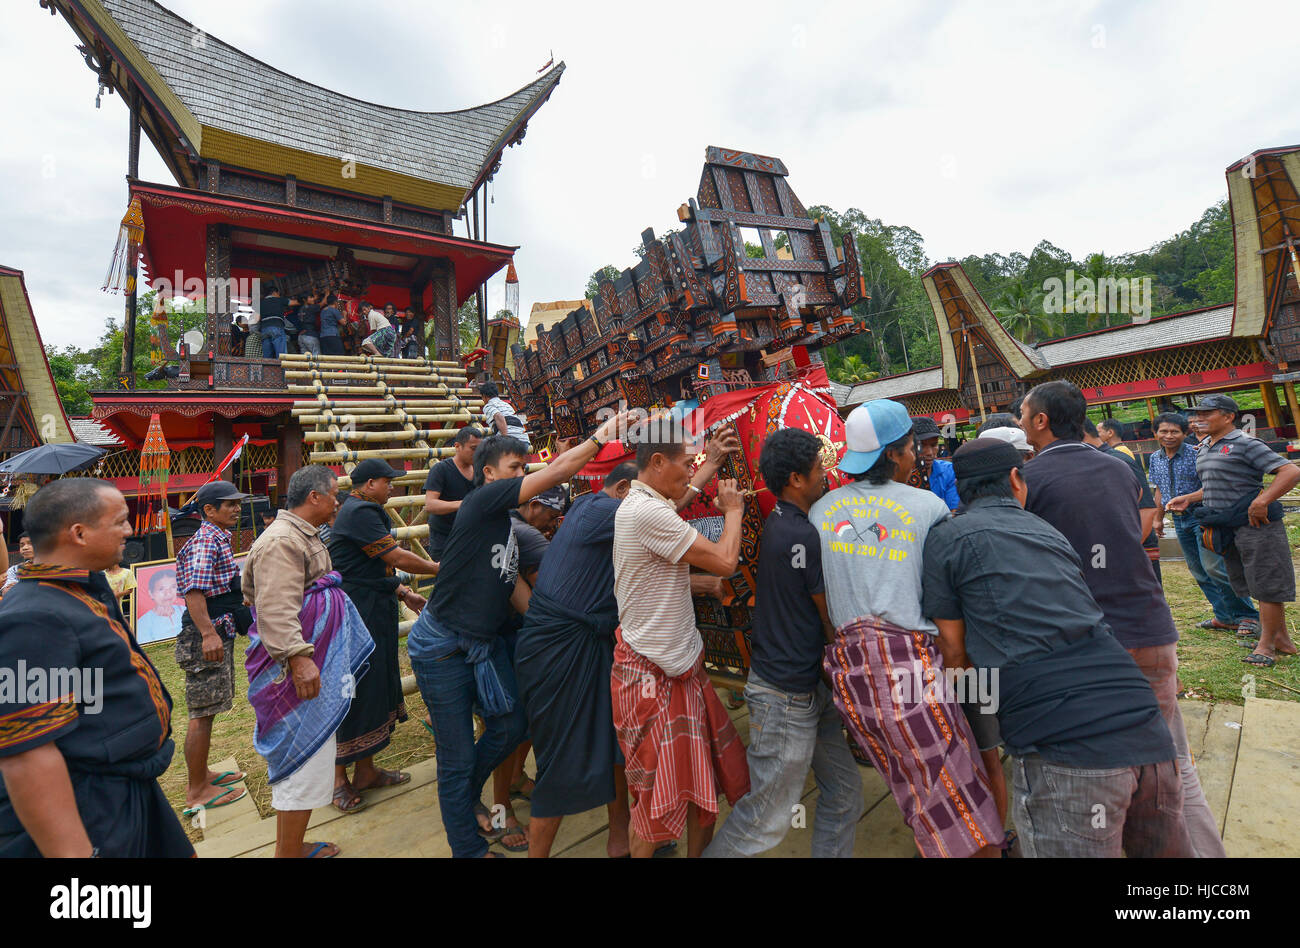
x=1210 y=669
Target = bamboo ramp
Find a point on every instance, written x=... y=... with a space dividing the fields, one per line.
x=405 y=411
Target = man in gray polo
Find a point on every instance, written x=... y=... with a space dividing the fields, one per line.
x=1231 y=466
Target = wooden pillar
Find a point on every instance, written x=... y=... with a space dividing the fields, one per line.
x=979 y=393
x=1272 y=410
x=223 y=440
x=288 y=446
x=132 y=269
x=1289 y=388
x=1151 y=413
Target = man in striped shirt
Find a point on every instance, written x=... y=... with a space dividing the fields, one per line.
x=678 y=741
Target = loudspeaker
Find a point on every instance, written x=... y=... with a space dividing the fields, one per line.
x=145 y=548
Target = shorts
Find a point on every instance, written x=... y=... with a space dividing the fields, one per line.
x=209 y=686
x=1259 y=563
x=311 y=785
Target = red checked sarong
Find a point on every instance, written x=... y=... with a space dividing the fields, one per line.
x=918 y=739
x=679 y=744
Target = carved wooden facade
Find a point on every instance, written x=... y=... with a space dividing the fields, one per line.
x=748 y=274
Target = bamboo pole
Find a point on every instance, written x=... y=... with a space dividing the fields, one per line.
x=413 y=477
x=369 y=359
x=404 y=369
x=401 y=417
x=374 y=390
x=1289 y=389
x=347 y=455
x=334 y=433
x=1272 y=410
x=341 y=375
x=386 y=404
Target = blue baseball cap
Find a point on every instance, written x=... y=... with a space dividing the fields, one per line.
x=869 y=429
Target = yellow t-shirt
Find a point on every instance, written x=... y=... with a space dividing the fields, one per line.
x=121 y=581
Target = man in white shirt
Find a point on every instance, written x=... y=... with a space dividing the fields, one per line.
x=673 y=769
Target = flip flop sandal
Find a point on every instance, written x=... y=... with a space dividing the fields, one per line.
x=345 y=803
x=1248 y=627
x=1215 y=624
x=428 y=727
x=491 y=835
x=388 y=778
x=1248 y=642
x=514 y=831
x=213 y=804
x=228 y=777
x=517 y=792
x=318 y=848
x=1263 y=661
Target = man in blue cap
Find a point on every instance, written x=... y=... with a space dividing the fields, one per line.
x=885 y=669
x=363 y=550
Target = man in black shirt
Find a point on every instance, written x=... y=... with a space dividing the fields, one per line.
x=274 y=339
x=446 y=486
x=1092 y=499
x=85 y=732
x=455 y=647
x=410 y=343
x=794 y=721
x=1083 y=727
x=1147 y=509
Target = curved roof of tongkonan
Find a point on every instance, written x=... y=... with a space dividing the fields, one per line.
x=25 y=369
x=1264 y=196
x=218 y=103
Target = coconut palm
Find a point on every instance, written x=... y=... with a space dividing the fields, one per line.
x=1020 y=308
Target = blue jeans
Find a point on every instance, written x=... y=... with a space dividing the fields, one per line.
x=309 y=342
x=275 y=342
x=447 y=686
x=788 y=733
x=1211 y=574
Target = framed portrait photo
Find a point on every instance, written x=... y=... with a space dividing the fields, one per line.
x=157 y=607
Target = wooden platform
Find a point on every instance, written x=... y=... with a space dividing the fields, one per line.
x=1247 y=757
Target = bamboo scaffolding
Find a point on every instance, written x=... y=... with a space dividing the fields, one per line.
x=376 y=391
x=387 y=404
x=339 y=376
x=345 y=455
x=403 y=369
x=307 y=357
x=413 y=477
x=334 y=433
x=352 y=421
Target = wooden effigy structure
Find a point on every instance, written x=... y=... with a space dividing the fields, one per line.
x=721 y=322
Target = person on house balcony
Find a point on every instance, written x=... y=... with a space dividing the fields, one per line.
x=382 y=340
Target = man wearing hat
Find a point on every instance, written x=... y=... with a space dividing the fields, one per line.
x=881 y=662
x=365 y=553
x=1081 y=722
x=1231 y=466
x=208 y=579
x=932 y=473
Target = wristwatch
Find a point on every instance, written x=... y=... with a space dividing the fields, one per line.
x=597 y=442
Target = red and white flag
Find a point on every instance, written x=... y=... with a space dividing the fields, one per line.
x=230 y=458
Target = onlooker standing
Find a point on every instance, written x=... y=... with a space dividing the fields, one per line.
x=932 y=473
x=1146 y=502
x=309 y=325
x=412 y=341
x=448 y=483
x=1109 y=431
x=331 y=343
x=799 y=726
x=1231 y=466
x=1092 y=499
x=275 y=341
x=26 y=555
x=1173 y=473
x=80 y=770
x=1080 y=721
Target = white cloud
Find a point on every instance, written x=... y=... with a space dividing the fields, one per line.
x=986 y=128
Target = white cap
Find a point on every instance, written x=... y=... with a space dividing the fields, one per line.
x=1012 y=436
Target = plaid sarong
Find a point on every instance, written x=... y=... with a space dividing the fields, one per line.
x=679 y=744
x=920 y=743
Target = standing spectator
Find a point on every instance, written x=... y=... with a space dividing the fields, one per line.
x=1146 y=502
x=275 y=341
x=500 y=415
x=1108 y=430
x=1080 y=721
x=800 y=727
x=679 y=744
x=309 y=326
x=25 y=554
x=250 y=333
x=331 y=318
x=448 y=483
x=412 y=343
x=80 y=771
x=292 y=325
x=308 y=647
x=1173 y=473
x=1231 y=466
x=122 y=583
x=208 y=580
x=932 y=473
x=1092 y=498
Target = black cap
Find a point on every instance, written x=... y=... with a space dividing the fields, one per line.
x=984 y=456
x=214 y=493
x=372 y=468
x=1216 y=403
x=924 y=428
x=554 y=497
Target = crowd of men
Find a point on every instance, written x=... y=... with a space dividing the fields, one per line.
x=941 y=611
x=317 y=322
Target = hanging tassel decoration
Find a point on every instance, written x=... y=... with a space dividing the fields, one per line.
x=129 y=238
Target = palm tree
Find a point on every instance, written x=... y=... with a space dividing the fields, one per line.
x=1020 y=309
x=853 y=370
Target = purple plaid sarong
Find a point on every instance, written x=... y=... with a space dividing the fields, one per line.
x=920 y=743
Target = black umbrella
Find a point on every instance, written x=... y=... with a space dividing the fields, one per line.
x=52 y=459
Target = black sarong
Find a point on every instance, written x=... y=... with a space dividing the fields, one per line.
x=359 y=538
x=562 y=664
x=125 y=812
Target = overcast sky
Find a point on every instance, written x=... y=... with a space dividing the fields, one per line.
x=985 y=126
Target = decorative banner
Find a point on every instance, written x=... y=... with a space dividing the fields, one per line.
x=129 y=238
x=155 y=468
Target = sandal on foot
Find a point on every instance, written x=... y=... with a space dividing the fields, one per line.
x=1248 y=642
x=491 y=835
x=518 y=829
x=1215 y=624
x=228 y=777
x=347 y=800
x=387 y=778
x=1248 y=627
x=428 y=727
x=517 y=791
x=217 y=801
x=318 y=848
x=1264 y=661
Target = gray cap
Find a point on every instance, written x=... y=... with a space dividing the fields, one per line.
x=215 y=493
x=371 y=468
x=1217 y=403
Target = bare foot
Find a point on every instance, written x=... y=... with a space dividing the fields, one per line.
x=212 y=793
x=325 y=850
